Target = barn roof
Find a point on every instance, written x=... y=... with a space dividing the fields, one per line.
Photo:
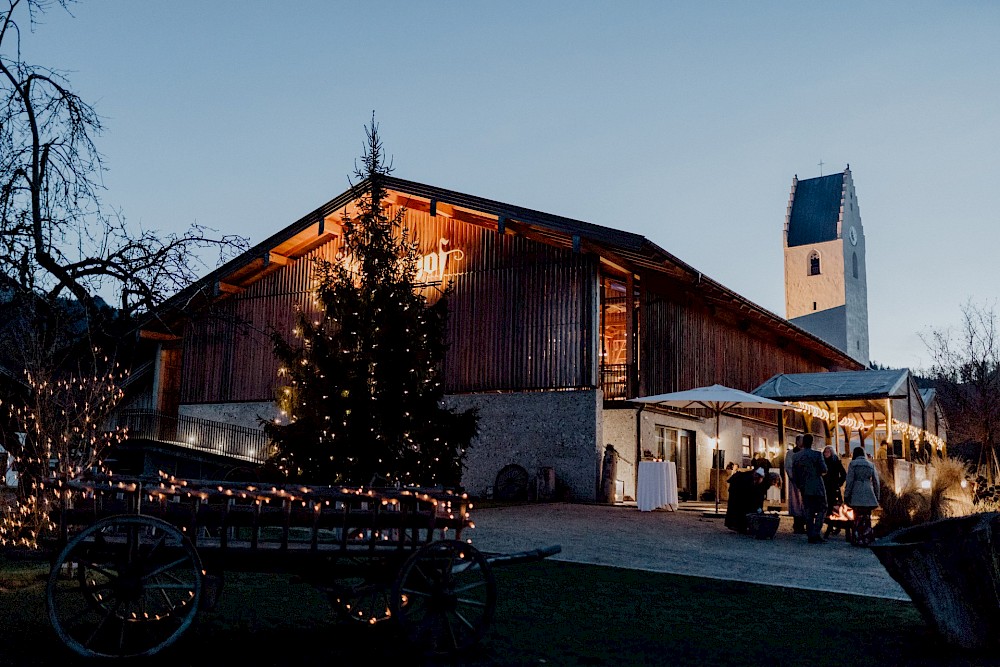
x=624 y=249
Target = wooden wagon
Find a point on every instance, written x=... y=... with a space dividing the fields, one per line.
x=137 y=558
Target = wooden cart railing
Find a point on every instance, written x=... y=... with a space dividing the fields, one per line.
x=138 y=556
x=245 y=519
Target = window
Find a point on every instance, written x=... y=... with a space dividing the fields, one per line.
x=854 y=264
x=814 y=305
x=666 y=444
x=814 y=263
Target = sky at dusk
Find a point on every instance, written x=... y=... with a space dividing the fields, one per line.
x=684 y=122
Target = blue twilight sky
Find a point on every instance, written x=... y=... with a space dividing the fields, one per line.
x=681 y=121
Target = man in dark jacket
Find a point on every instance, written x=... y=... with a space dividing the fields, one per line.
x=747 y=490
x=807 y=474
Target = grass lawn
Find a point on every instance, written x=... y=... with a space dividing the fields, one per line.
x=550 y=613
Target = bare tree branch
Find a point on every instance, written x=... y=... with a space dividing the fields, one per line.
x=965 y=367
x=57 y=241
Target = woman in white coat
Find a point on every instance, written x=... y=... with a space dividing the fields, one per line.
x=861 y=493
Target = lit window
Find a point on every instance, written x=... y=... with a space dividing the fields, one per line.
x=666 y=443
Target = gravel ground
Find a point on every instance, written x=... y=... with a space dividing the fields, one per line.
x=683 y=542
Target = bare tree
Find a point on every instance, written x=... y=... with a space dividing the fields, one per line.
x=56 y=241
x=62 y=255
x=966 y=373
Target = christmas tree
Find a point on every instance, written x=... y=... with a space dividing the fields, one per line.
x=360 y=387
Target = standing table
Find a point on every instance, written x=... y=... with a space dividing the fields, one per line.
x=657 y=486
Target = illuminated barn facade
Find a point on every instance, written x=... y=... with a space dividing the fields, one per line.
x=553 y=324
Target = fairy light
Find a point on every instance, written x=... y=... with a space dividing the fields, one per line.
x=913 y=432
x=67 y=429
x=360 y=392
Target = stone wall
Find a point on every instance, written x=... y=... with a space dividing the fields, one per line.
x=239 y=414
x=619 y=431
x=557 y=429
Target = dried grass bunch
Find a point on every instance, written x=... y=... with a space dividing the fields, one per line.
x=913 y=505
x=948 y=496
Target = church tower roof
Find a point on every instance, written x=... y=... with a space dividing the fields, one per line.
x=815 y=210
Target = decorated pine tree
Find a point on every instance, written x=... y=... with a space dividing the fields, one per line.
x=360 y=387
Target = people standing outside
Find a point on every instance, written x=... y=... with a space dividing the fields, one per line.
x=834 y=479
x=795 y=506
x=861 y=493
x=807 y=474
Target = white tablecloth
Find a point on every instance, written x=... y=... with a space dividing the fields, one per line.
x=657 y=485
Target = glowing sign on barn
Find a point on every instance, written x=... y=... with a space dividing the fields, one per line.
x=433 y=265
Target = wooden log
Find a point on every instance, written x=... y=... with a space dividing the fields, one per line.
x=950 y=570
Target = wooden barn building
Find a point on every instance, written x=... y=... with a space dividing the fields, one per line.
x=554 y=324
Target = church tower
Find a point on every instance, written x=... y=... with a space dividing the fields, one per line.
x=826 y=283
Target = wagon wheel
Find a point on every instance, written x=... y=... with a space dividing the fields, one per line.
x=444 y=597
x=126 y=586
x=511 y=483
x=361 y=591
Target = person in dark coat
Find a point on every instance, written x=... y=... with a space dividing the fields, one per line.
x=760 y=462
x=833 y=480
x=796 y=507
x=807 y=474
x=747 y=490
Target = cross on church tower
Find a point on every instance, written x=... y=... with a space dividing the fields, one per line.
x=821 y=163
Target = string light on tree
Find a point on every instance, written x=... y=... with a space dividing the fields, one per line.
x=67 y=429
x=373 y=358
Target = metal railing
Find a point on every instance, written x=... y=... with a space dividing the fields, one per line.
x=615 y=381
x=204 y=435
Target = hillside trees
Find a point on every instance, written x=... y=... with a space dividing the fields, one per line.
x=361 y=391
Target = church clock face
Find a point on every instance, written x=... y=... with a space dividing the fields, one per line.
x=853 y=235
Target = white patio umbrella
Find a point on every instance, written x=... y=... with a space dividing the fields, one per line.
x=716 y=398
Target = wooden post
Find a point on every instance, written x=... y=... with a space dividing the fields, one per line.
x=836 y=427
x=630 y=352
x=888 y=425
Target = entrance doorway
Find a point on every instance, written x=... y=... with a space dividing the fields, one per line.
x=687 y=477
x=678 y=445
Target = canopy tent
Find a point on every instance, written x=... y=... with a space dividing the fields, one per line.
x=717 y=399
x=859 y=401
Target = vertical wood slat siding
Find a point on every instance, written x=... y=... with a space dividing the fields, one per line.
x=520 y=318
x=686 y=346
x=227 y=350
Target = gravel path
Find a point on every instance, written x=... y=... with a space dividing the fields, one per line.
x=683 y=542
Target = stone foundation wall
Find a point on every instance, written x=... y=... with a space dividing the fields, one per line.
x=557 y=429
x=238 y=414
x=619 y=430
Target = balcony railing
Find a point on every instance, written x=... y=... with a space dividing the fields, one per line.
x=615 y=381
x=203 y=435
